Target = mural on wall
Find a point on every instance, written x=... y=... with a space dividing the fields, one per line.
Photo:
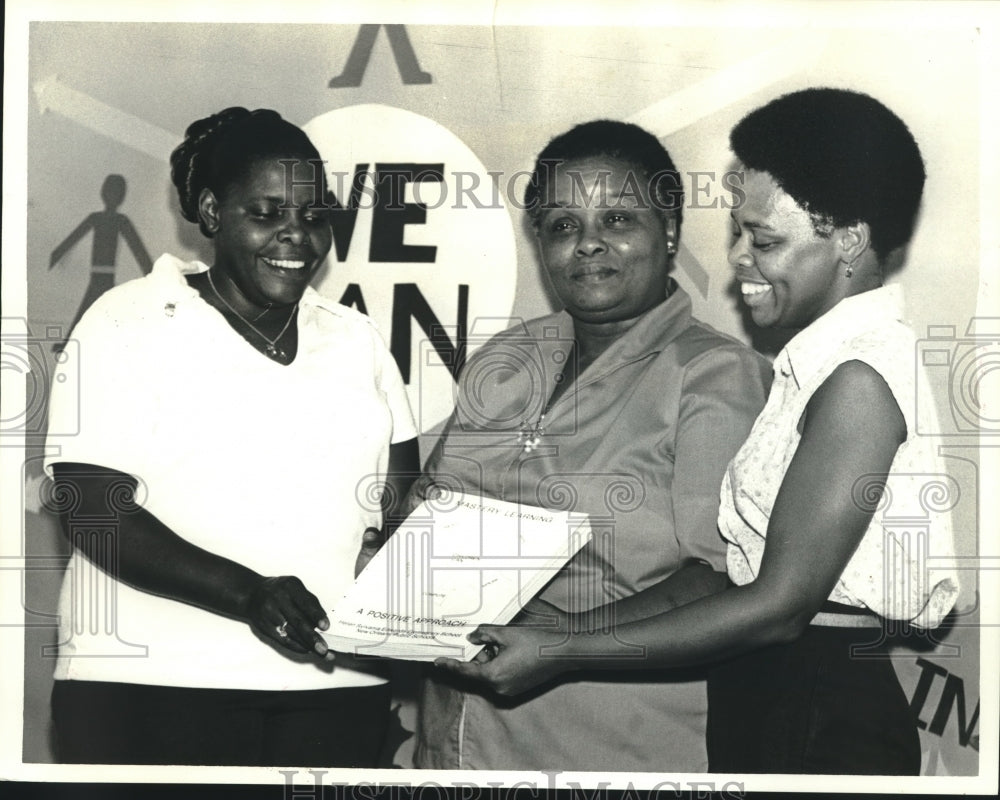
x=422 y=243
x=361 y=52
x=429 y=241
x=108 y=227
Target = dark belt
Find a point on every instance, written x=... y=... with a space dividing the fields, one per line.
x=838 y=615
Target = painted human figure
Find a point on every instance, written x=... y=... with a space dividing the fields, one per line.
x=108 y=226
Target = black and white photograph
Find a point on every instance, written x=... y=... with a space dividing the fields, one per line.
x=492 y=396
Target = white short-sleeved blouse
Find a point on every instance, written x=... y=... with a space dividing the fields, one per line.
x=903 y=568
x=259 y=462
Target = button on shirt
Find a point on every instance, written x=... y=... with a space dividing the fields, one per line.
x=903 y=568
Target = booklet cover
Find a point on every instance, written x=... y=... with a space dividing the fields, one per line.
x=457 y=562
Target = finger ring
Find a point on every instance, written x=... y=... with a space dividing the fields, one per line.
x=282 y=629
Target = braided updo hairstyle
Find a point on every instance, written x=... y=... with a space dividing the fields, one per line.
x=218 y=149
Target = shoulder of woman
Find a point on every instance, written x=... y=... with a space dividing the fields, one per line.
x=890 y=335
x=890 y=351
x=701 y=348
x=127 y=303
x=346 y=314
x=700 y=337
x=859 y=394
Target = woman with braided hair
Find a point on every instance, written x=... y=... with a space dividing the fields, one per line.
x=245 y=417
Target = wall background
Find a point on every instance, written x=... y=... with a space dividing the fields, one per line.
x=114 y=98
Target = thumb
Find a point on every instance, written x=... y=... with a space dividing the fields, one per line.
x=485 y=634
x=371 y=539
x=371 y=543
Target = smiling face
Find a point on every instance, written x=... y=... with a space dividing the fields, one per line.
x=789 y=275
x=605 y=246
x=271 y=234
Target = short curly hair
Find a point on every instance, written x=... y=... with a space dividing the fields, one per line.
x=217 y=150
x=605 y=138
x=841 y=155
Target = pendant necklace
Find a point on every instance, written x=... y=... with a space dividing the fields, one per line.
x=272 y=350
x=530 y=434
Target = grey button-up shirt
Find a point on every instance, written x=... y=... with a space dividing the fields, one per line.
x=640 y=443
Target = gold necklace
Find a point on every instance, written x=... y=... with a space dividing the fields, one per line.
x=272 y=350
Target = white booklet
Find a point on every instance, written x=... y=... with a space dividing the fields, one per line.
x=458 y=561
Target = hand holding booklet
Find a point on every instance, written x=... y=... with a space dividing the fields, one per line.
x=457 y=562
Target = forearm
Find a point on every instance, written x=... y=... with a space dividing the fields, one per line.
x=404 y=469
x=714 y=627
x=143 y=553
x=103 y=521
x=693 y=580
x=135 y=547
